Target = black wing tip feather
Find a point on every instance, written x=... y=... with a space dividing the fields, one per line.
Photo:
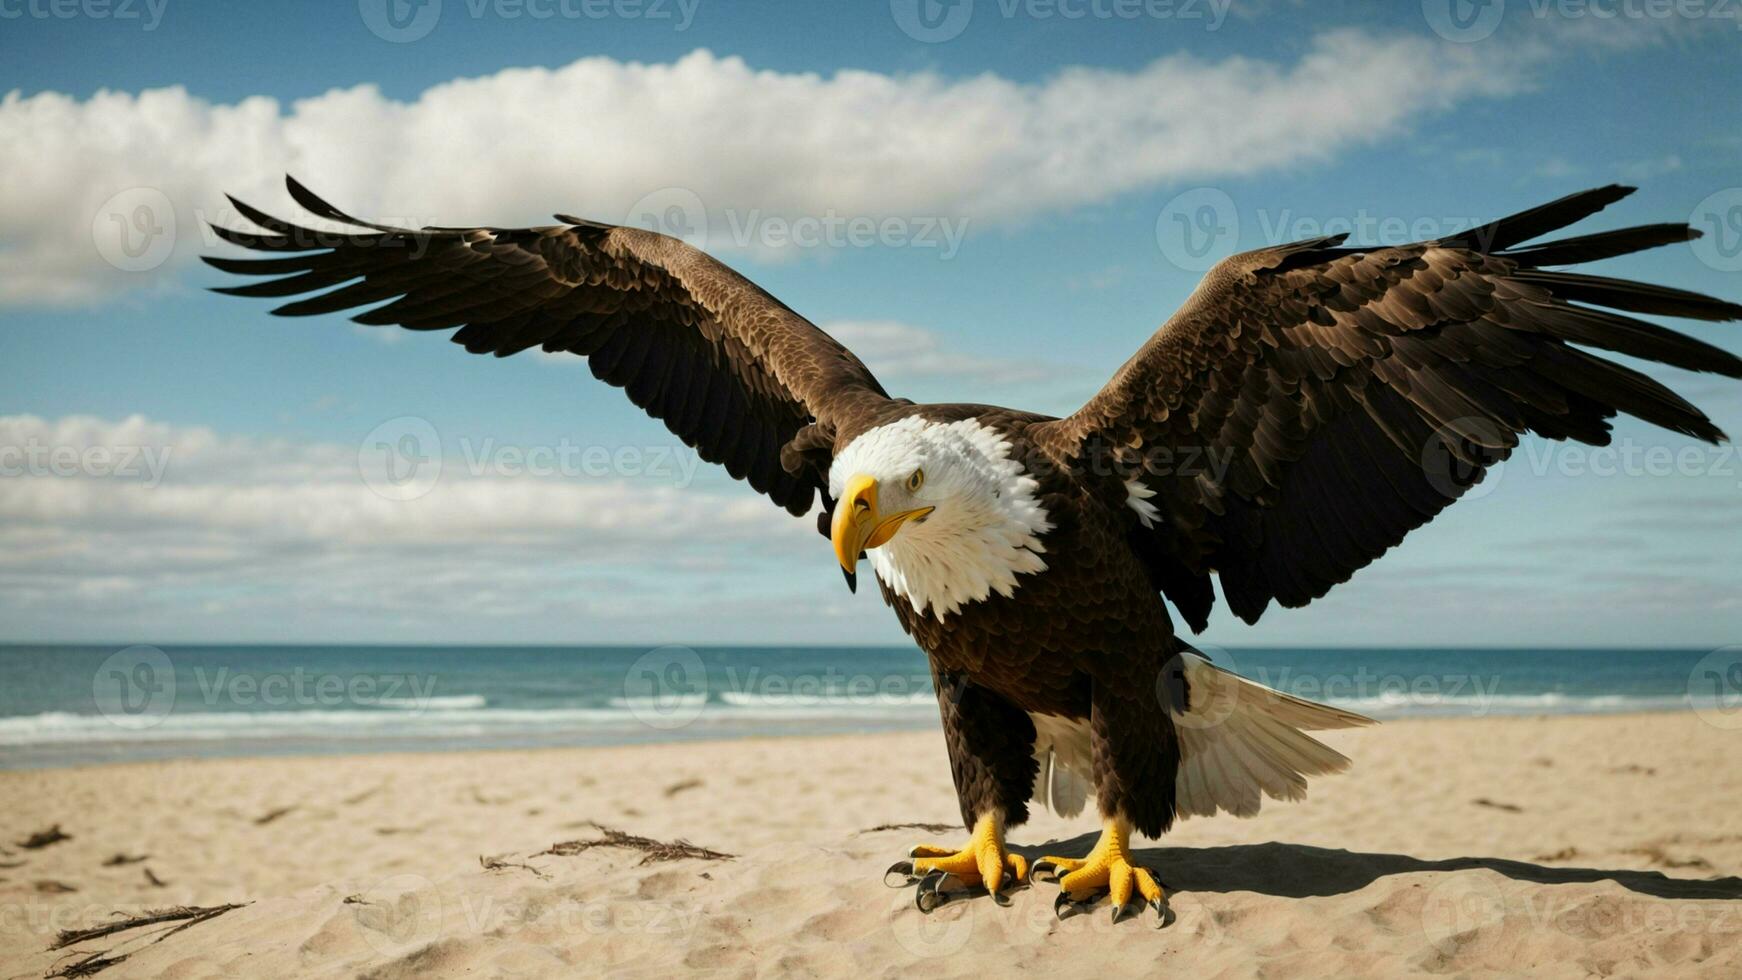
x=1515 y=229
x=315 y=204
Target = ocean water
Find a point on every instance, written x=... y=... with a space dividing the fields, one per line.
x=70 y=705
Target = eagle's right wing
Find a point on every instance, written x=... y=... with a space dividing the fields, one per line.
x=730 y=369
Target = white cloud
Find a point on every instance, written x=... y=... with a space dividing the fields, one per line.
x=1643 y=170
x=894 y=351
x=598 y=135
x=159 y=527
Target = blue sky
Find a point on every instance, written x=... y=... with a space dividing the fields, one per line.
x=1060 y=148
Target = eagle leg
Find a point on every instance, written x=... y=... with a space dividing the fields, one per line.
x=982 y=862
x=1107 y=869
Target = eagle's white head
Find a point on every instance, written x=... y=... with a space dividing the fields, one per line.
x=944 y=513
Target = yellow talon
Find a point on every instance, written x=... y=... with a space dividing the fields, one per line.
x=1108 y=866
x=983 y=861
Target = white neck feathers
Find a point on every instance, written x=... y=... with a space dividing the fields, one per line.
x=987 y=525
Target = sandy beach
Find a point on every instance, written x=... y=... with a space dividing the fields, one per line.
x=1569 y=846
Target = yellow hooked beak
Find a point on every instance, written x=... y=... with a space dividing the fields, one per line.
x=860 y=525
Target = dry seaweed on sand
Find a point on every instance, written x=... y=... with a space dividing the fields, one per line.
x=651 y=850
x=92 y=964
x=930 y=828
x=501 y=863
x=680 y=786
x=43 y=838
x=185 y=916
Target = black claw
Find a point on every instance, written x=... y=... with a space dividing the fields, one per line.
x=903 y=868
x=929 y=896
x=852 y=580
x=1163 y=912
x=1035 y=870
x=1119 y=910
x=1064 y=906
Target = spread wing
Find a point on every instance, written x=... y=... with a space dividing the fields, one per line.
x=728 y=368
x=1312 y=404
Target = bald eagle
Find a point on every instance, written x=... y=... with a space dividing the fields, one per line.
x=1307 y=407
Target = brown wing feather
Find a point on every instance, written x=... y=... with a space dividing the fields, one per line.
x=1325 y=393
x=729 y=369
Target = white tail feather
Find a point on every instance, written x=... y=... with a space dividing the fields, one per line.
x=1061 y=747
x=1241 y=741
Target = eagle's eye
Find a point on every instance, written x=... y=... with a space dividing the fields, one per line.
x=916 y=481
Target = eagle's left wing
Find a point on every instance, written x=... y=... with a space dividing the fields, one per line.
x=1311 y=404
